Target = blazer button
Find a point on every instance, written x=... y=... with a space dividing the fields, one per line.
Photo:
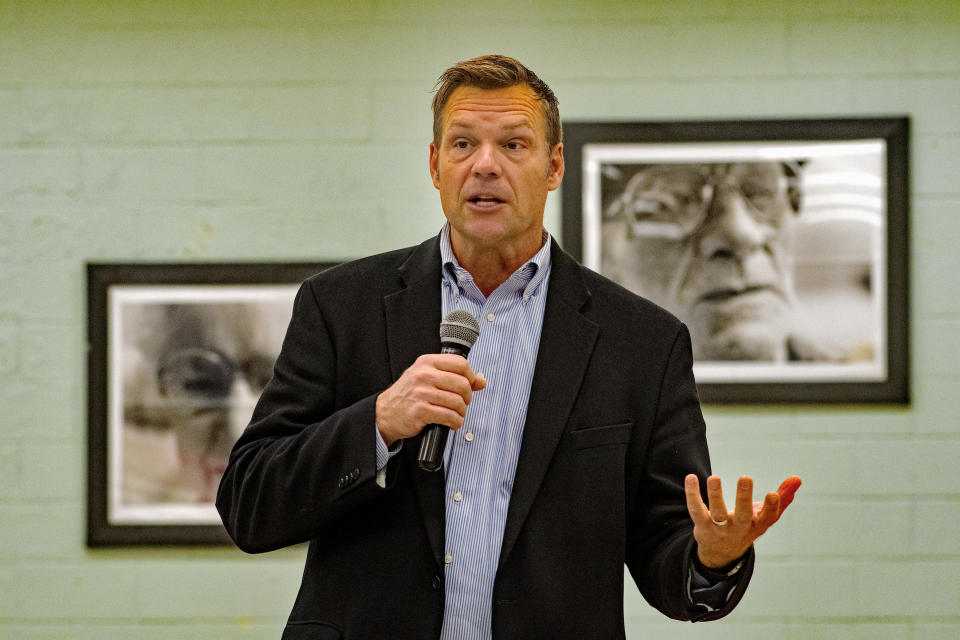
x=436 y=582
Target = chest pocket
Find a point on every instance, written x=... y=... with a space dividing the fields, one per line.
x=607 y=435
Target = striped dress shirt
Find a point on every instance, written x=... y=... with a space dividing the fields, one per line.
x=481 y=457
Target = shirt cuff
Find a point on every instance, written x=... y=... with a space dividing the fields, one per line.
x=710 y=589
x=384 y=454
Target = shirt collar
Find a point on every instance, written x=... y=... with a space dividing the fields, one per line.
x=525 y=280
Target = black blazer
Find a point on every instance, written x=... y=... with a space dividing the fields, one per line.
x=613 y=427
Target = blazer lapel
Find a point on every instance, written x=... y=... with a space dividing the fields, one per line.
x=566 y=343
x=412 y=315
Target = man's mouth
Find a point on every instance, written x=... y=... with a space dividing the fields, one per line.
x=722 y=295
x=486 y=201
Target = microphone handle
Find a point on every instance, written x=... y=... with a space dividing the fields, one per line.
x=434 y=440
x=432 y=446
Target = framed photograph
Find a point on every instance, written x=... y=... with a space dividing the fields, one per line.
x=781 y=244
x=178 y=356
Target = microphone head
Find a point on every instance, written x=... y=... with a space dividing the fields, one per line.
x=459 y=329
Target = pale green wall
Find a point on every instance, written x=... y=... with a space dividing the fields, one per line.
x=281 y=130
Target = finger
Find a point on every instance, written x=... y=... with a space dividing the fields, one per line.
x=769 y=513
x=451 y=362
x=743 y=511
x=479 y=382
x=448 y=419
x=452 y=383
x=460 y=367
x=698 y=510
x=718 y=509
x=787 y=490
x=437 y=414
x=428 y=401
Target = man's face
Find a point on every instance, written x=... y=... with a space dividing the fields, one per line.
x=493 y=167
x=709 y=242
x=195 y=373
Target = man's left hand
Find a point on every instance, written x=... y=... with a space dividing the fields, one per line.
x=723 y=536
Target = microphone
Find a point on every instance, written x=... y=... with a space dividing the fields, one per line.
x=458 y=332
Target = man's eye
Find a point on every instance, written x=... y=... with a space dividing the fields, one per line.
x=759 y=195
x=664 y=203
x=651 y=207
x=460 y=144
x=513 y=145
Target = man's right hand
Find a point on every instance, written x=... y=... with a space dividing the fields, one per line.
x=436 y=389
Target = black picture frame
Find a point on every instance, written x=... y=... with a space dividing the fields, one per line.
x=119 y=297
x=603 y=156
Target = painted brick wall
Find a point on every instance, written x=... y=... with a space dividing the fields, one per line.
x=295 y=130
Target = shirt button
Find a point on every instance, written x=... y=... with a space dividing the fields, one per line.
x=526 y=297
x=447 y=559
x=491 y=317
x=469 y=436
x=458 y=496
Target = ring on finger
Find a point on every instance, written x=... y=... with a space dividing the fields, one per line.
x=719 y=523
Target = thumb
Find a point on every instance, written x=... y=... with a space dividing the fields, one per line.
x=479 y=382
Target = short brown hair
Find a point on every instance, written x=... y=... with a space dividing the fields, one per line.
x=495 y=72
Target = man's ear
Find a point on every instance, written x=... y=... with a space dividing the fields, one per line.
x=555 y=177
x=434 y=165
x=792 y=171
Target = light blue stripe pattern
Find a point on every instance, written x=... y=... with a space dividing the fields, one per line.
x=481 y=457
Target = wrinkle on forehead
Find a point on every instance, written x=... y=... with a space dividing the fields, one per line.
x=519 y=99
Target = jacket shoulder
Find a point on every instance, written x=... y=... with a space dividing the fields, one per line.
x=372 y=277
x=614 y=301
x=360 y=269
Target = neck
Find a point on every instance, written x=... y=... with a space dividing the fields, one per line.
x=491 y=265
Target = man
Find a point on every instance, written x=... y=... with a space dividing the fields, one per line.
x=568 y=453
x=711 y=243
x=192 y=374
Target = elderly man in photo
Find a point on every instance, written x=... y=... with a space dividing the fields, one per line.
x=712 y=243
x=192 y=375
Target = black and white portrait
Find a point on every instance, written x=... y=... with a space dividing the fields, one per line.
x=187 y=366
x=772 y=253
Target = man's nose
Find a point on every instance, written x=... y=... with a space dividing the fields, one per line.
x=731 y=230
x=486 y=163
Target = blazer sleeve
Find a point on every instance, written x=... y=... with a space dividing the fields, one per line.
x=304 y=460
x=660 y=543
